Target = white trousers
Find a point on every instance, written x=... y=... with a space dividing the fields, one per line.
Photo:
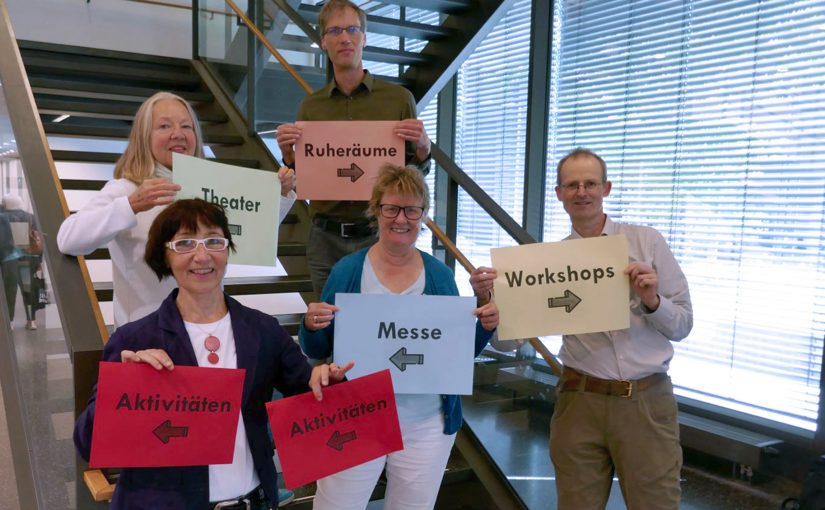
x=413 y=474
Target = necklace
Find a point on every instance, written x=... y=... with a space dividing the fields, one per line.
x=211 y=343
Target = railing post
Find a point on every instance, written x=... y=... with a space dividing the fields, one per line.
x=446 y=189
x=195 y=29
x=251 y=65
x=535 y=164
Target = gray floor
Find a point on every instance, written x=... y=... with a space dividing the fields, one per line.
x=8 y=483
x=516 y=433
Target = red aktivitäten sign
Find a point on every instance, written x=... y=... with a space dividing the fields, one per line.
x=356 y=422
x=150 y=418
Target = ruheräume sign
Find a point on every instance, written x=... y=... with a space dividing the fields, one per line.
x=339 y=160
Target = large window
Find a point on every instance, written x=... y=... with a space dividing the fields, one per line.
x=710 y=116
x=490 y=133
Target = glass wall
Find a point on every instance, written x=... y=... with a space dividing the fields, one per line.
x=709 y=115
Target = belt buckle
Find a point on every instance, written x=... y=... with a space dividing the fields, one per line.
x=228 y=504
x=344 y=228
x=628 y=388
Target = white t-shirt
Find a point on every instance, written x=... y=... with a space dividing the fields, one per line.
x=226 y=481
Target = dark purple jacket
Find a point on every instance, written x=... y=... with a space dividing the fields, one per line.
x=272 y=361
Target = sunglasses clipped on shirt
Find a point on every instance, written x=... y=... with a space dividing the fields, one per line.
x=336 y=31
x=190 y=245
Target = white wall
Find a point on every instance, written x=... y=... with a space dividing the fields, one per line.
x=108 y=24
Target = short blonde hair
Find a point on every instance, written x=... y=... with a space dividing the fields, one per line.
x=137 y=163
x=337 y=5
x=401 y=180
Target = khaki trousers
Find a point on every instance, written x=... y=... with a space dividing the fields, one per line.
x=593 y=435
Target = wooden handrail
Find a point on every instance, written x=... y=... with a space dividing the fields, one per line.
x=263 y=40
x=545 y=353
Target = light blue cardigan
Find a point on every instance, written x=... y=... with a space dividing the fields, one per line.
x=346 y=277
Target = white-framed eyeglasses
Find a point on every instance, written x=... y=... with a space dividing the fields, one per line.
x=412 y=212
x=336 y=31
x=190 y=245
x=572 y=187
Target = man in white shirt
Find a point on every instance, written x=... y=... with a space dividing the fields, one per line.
x=615 y=411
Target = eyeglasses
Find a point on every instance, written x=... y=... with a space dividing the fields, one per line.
x=336 y=31
x=190 y=245
x=572 y=187
x=391 y=211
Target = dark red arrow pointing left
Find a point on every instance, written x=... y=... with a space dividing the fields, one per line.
x=165 y=430
x=337 y=440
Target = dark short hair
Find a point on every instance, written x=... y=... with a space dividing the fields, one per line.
x=186 y=213
x=577 y=153
x=401 y=180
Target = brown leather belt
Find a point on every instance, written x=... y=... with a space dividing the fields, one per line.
x=573 y=380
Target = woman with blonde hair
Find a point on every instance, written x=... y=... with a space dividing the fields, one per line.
x=428 y=422
x=119 y=215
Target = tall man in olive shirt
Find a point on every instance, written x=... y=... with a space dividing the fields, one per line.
x=340 y=228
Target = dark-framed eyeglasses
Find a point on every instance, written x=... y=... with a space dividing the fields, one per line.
x=572 y=187
x=336 y=31
x=412 y=212
x=190 y=245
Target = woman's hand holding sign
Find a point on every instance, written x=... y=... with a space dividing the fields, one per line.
x=155 y=357
x=319 y=316
x=322 y=374
x=487 y=315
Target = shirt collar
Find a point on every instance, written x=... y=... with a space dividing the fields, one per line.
x=367 y=82
x=608 y=229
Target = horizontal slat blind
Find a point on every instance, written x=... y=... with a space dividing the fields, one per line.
x=491 y=120
x=711 y=118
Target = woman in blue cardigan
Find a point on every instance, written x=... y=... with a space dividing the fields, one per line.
x=394 y=266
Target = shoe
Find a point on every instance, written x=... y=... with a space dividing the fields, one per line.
x=285 y=497
x=31 y=325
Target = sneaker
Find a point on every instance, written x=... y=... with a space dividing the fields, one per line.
x=285 y=497
x=31 y=325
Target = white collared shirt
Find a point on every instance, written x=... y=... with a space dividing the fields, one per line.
x=645 y=348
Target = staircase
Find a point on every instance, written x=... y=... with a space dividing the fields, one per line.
x=100 y=92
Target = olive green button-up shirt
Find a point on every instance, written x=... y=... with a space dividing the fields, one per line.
x=373 y=99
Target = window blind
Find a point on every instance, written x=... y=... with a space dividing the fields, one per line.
x=710 y=115
x=491 y=122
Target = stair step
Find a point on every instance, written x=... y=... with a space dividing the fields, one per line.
x=112 y=157
x=79 y=87
x=240 y=286
x=444 y=6
x=33 y=47
x=103 y=131
x=290 y=322
x=70 y=66
x=102 y=108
